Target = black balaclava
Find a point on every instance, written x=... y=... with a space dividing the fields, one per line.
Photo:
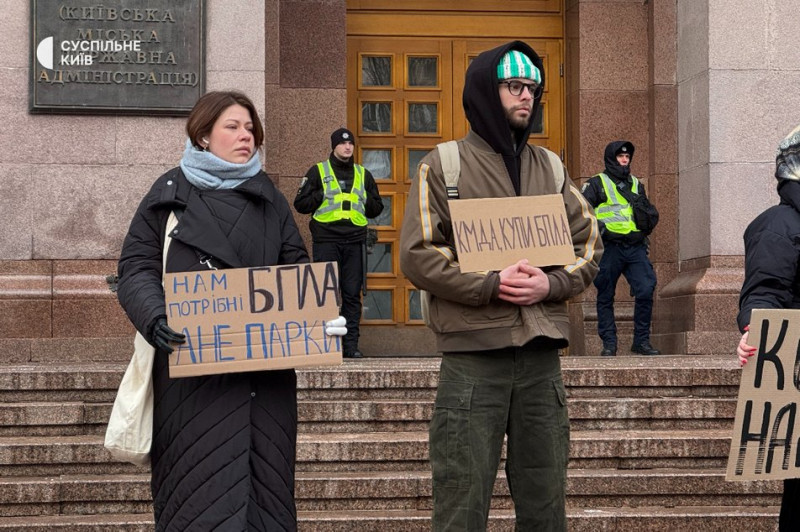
x=485 y=112
x=613 y=168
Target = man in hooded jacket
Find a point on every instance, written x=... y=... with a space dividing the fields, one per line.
x=499 y=331
x=772 y=277
x=626 y=217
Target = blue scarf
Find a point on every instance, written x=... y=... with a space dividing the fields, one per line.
x=206 y=171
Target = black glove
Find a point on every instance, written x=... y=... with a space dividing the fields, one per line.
x=161 y=335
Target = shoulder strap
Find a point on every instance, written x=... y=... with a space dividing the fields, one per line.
x=555 y=165
x=451 y=166
x=558 y=169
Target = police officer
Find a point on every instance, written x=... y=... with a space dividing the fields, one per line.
x=341 y=195
x=626 y=217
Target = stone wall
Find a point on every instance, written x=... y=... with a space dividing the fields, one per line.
x=69 y=185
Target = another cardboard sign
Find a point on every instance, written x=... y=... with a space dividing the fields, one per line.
x=250 y=319
x=766 y=432
x=492 y=233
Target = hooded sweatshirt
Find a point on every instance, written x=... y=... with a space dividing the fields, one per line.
x=485 y=111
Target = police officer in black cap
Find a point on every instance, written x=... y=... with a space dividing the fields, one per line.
x=626 y=217
x=341 y=195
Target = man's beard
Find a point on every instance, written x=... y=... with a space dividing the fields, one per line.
x=518 y=123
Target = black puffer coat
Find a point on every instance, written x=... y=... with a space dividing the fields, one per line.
x=772 y=257
x=223 y=445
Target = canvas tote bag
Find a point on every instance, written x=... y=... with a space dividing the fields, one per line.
x=129 y=434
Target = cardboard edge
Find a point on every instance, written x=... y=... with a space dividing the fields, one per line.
x=240 y=366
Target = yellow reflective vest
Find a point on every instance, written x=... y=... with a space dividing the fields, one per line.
x=616 y=212
x=331 y=209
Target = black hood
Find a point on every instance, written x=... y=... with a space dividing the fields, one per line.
x=789 y=191
x=485 y=111
x=613 y=168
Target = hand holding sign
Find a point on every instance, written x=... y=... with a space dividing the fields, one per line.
x=745 y=350
x=161 y=336
x=336 y=327
x=523 y=284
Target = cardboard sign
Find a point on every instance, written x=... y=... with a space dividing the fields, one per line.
x=251 y=319
x=492 y=233
x=766 y=432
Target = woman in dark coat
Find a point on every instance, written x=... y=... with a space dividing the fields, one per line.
x=223 y=452
x=772 y=277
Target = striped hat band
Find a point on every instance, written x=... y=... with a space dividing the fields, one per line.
x=515 y=64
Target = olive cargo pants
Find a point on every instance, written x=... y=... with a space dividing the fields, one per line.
x=483 y=396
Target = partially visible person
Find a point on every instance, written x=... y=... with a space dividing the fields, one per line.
x=341 y=195
x=626 y=217
x=223 y=452
x=499 y=331
x=772 y=277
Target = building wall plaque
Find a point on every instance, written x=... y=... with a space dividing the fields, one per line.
x=140 y=57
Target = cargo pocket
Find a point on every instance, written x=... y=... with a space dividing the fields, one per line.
x=561 y=449
x=449 y=434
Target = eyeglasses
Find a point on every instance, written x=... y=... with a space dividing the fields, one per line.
x=515 y=88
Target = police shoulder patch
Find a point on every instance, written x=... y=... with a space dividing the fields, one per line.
x=585 y=186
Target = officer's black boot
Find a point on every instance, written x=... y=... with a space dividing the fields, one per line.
x=644 y=348
x=609 y=351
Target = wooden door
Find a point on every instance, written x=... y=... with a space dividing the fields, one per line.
x=402 y=106
x=404 y=97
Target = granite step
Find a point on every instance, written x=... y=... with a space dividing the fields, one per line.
x=649 y=442
x=401 y=490
x=79 y=523
x=391 y=451
x=390 y=415
x=384 y=415
x=53 y=418
x=655 y=519
x=403 y=378
x=655 y=413
x=650 y=519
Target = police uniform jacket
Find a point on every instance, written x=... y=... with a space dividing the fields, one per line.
x=622 y=179
x=311 y=194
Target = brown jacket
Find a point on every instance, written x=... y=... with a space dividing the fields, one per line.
x=465 y=313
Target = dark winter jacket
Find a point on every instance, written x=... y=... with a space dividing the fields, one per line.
x=772 y=257
x=310 y=197
x=223 y=445
x=621 y=176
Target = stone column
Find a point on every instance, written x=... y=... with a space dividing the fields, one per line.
x=306 y=88
x=610 y=97
x=737 y=98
